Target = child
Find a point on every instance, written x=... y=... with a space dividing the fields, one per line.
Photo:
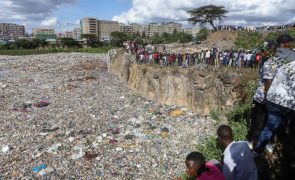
x=196 y=166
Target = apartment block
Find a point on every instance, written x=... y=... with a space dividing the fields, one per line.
x=134 y=28
x=10 y=31
x=77 y=33
x=42 y=33
x=102 y=29
x=60 y=35
x=154 y=28
x=151 y=29
x=69 y=34
x=89 y=26
x=171 y=26
x=105 y=28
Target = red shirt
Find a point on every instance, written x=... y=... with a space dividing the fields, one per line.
x=213 y=174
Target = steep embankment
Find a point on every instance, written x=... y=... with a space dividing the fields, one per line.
x=201 y=89
x=221 y=39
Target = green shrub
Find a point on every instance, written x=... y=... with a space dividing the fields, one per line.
x=215 y=115
x=211 y=149
x=240 y=130
x=203 y=34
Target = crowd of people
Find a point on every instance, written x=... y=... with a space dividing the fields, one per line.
x=230 y=58
x=255 y=29
x=273 y=105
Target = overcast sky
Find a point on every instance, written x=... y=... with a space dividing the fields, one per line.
x=65 y=14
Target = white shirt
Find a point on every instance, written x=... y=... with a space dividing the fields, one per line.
x=141 y=56
x=208 y=54
x=249 y=57
x=238 y=162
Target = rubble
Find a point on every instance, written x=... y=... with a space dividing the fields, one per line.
x=66 y=112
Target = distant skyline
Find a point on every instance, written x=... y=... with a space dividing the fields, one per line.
x=64 y=15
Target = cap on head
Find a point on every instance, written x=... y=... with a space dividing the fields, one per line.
x=285 y=38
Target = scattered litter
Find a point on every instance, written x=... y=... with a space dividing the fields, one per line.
x=36 y=169
x=41 y=104
x=113 y=141
x=5 y=149
x=89 y=156
x=116 y=131
x=99 y=139
x=71 y=139
x=100 y=173
x=54 y=148
x=177 y=113
x=165 y=129
x=46 y=171
x=79 y=153
x=119 y=149
x=62 y=119
x=52 y=129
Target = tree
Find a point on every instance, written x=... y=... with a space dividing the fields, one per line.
x=118 y=38
x=90 y=38
x=39 y=43
x=157 y=39
x=30 y=44
x=69 y=42
x=207 y=14
x=202 y=34
x=174 y=31
x=143 y=35
x=137 y=34
x=184 y=37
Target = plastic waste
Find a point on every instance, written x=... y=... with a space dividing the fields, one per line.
x=39 y=168
x=5 y=149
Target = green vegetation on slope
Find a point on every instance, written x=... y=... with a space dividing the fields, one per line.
x=251 y=40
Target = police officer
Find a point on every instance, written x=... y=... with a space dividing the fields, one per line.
x=279 y=104
x=259 y=110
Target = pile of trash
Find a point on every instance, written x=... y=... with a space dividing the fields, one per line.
x=63 y=116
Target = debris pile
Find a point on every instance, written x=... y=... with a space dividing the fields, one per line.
x=63 y=116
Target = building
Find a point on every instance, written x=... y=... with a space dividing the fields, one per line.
x=60 y=35
x=171 y=26
x=69 y=34
x=105 y=28
x=44 y=33
x=127 y=29
x=134 y=28
x=102 y=29
x=89 y=26
x=10 y=31
x=154 y=28
x=77 y=34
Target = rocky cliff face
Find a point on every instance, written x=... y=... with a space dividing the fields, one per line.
x=201 y=89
